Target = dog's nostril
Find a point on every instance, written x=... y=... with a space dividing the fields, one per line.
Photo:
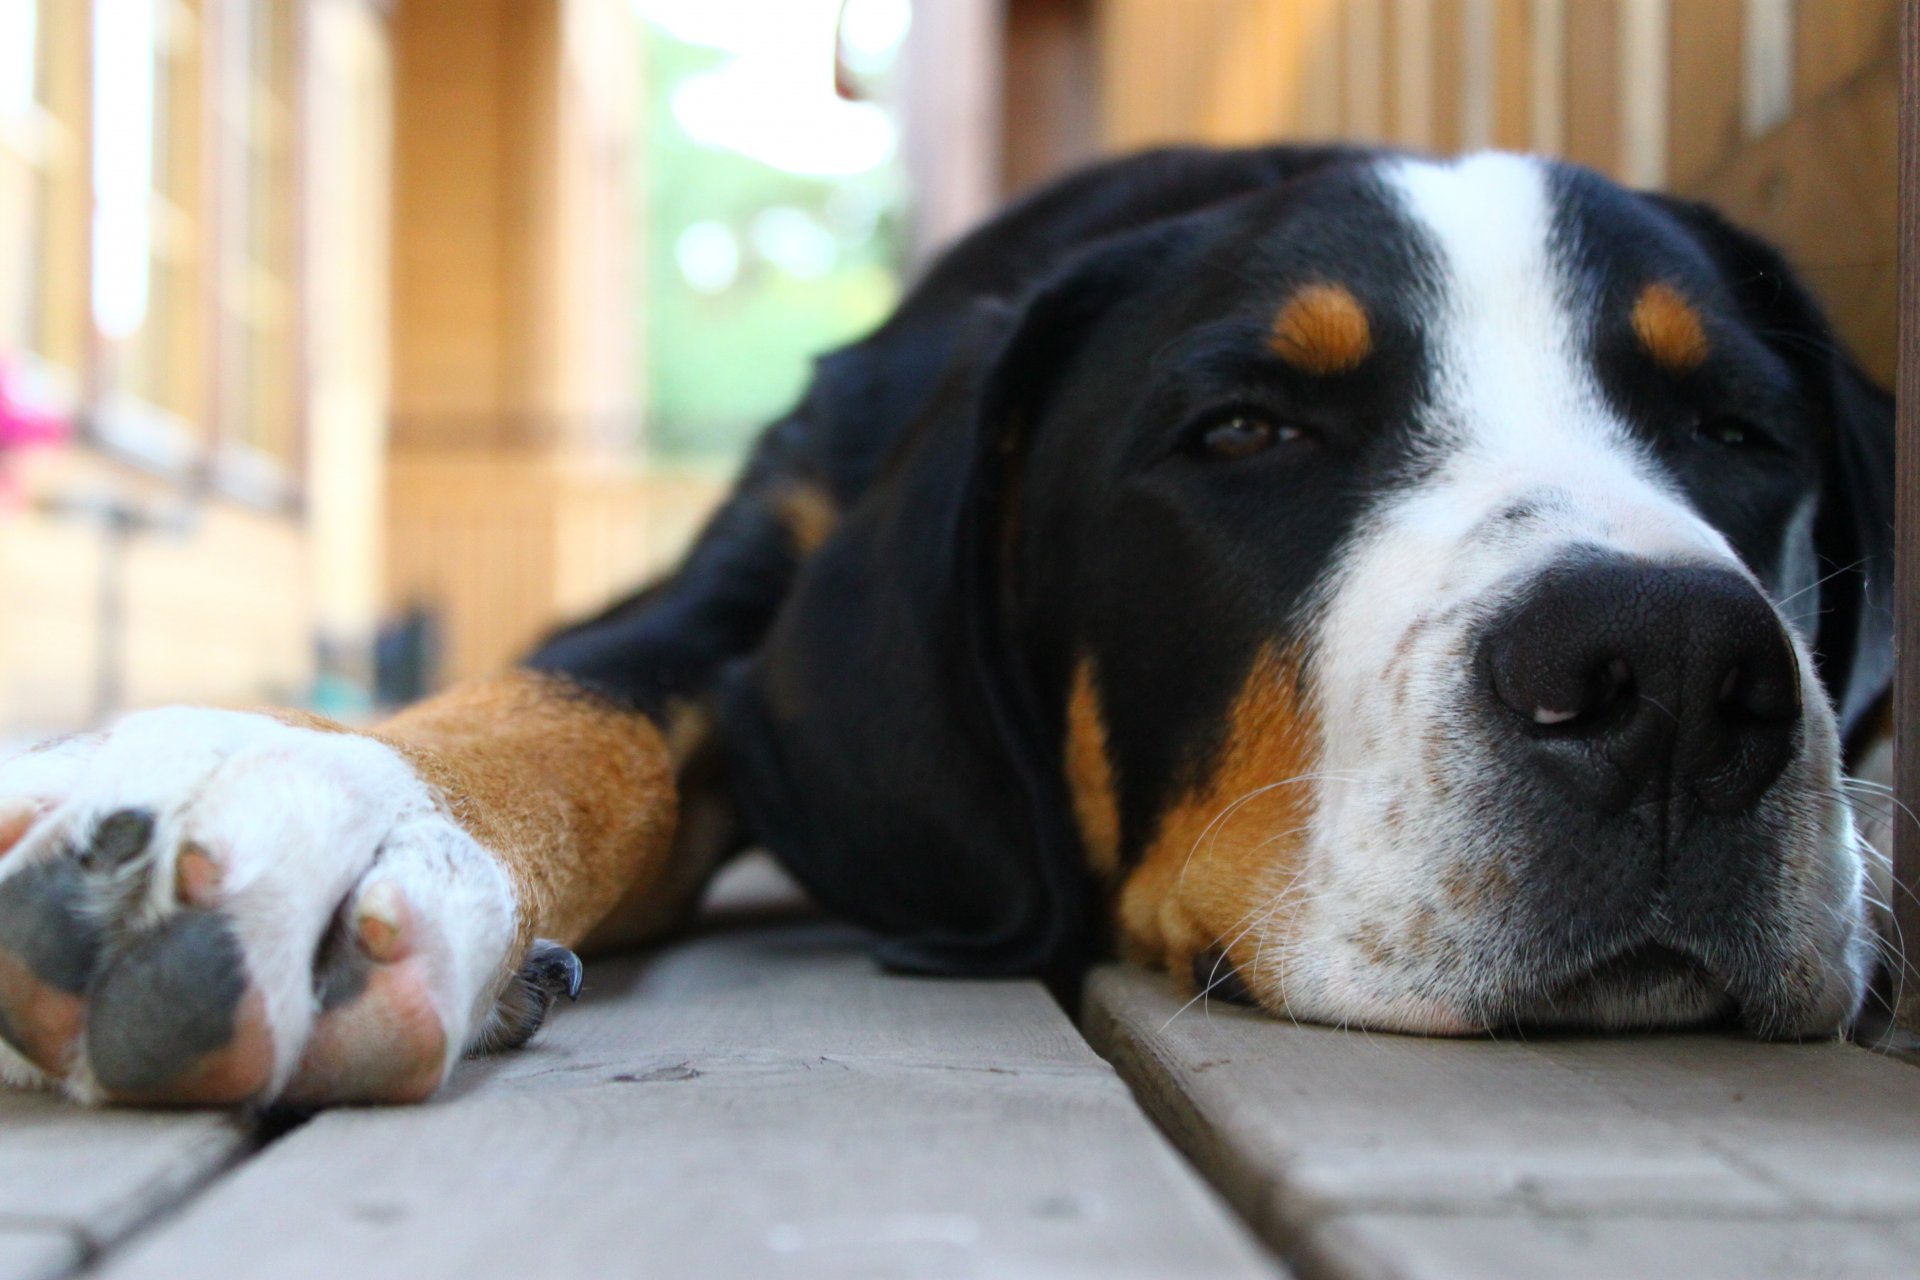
x=1607 y=687
x=1560 y=697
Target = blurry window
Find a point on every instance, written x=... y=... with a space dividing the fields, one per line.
x=148 y=237
x=257 y=304
x=41 y=79
x=773 y=208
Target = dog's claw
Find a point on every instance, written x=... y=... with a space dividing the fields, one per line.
x=554 y=969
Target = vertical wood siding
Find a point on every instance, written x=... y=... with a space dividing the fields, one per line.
x=1906 y=855
x=1780 y=111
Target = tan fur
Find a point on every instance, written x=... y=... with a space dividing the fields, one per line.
x=576 y=796
x=808 y=512
x=1322 y=329
x=1090 y=772
x=1230 y=842
x=1669 y=328
x=689 y=728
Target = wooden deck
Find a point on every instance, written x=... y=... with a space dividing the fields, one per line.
x=760 y=1101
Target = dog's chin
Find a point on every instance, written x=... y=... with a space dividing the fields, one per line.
x=1649 y=987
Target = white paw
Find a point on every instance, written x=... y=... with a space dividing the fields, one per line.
x=212 y=908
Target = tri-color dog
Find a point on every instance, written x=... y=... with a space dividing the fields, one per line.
x=1437 y=596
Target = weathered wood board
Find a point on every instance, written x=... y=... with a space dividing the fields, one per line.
x=73 y=1182
x=759 y=1103
x=1391 y=1156
x=38 y=1253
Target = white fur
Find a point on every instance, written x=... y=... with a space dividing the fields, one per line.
x=299 y=821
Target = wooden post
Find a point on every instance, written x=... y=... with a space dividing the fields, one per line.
x=1906 y=733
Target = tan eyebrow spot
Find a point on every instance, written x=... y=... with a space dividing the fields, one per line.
x=1669 y=328
x=1322 y=329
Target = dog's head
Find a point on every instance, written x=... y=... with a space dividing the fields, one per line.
x=1440 y=592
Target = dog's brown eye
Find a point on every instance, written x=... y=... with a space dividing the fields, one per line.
x=1731 y=432
x=1242 y=435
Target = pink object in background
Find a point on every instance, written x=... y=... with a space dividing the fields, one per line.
x=22 y=426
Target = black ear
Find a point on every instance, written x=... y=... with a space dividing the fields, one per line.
x=887 y=741
x=1853 y=527
x=1854 y=537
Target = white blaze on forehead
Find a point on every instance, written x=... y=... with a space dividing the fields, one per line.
x=1503 y=344
x=1515 y=403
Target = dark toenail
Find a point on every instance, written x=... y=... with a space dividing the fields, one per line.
x=166 y=1001
x=120 y=837
x=42 y=922
x=549 y=970
x=1218 y=978
x=553 y=969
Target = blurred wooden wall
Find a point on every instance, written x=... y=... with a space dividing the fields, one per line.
x=1779 y=111
x=513 y=498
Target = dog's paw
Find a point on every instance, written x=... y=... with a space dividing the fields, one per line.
x=218 y=908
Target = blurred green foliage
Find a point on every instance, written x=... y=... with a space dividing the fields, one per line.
x=722 y=365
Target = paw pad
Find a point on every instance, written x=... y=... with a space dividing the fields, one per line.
x=172 y=1016
x=119 y=838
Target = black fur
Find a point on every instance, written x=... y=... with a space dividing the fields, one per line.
x=1012 y=455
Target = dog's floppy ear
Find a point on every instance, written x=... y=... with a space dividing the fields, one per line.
x=1853 y=528
x=888 y=742
x=1854 y=536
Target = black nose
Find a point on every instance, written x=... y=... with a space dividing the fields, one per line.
x=1627 y=681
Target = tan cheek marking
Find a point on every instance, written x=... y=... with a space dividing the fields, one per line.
x=576 y=797
x=1090 y=772
x=1233 y=839
x=808 y=512
x=1669 y=328
x=1322 y=329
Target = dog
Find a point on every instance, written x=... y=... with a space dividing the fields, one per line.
x=1427 y=595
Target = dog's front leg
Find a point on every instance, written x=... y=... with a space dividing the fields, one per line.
x=211 y=908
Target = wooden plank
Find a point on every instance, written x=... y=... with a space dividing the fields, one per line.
x=1473 y=1248
x=1767 y=62
x=1049 y=122
x=1514 y=29
x=1364 y=110
x=1906 y=720
x=1411 y=37
x=1240 y=75
x=1704 y=87
x=73 y=1182
x=746 y=1104
x=37 y=1253
x=1333 y=1143
x=1645 y=54
x=1592 y=84
x=1822 y=186
x=1547 y=63
x=1447 y=65
x=1834 y=39
x=1318 y=62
